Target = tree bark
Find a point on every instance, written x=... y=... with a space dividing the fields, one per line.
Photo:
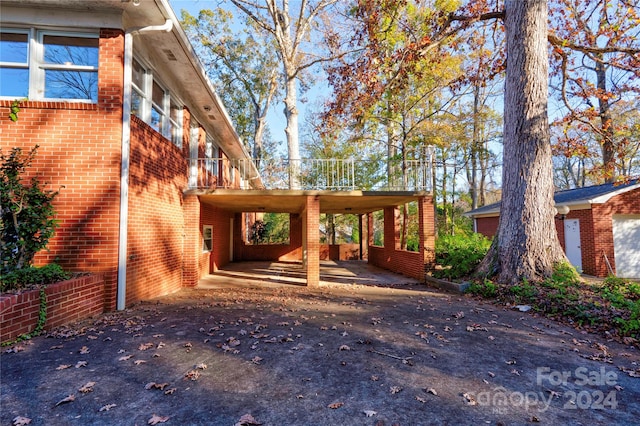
x=526 y=245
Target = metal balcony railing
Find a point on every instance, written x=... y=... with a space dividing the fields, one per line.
x=312 y=174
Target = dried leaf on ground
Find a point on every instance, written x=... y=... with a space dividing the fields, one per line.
x=431 y=391
x=201 y=366
x=88 y=387
x=192 y=375
x=369 y=413
x=335 y=405
x=469 y=399
x=69 y=398
x=154 y=385
x=125 y=358
x=256 y=360
x=139 y=361
x=155 y=419
x=247 y=420
x=107 y=407
x=81 y=364
x=84 y=350
x=21 y=421
x=345 y=348
x=63 y=367
x=145 y=346
x=395 y=389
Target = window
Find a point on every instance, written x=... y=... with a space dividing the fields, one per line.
x=154 y=105
x=207 y=238
x=49 y=65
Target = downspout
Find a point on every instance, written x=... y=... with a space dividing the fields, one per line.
x=124 y=166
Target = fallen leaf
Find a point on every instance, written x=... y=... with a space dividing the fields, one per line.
x=69 y=398
x=63 y=367
x=81 y=364
x=431 y=391
x=155 y=419
x=88 y=387
x=247 y=420
x=256 y=360
x=84 y=350
x=139 y=361
x=21 y=421
x=107 y=407
x=395 y=389
x=192 y=374
x=369 y=413
x=170 y=391
x=125 y=358
x=335 y=405
x=201 y=366
x=145 y=346
x=470 y=400
x=420 y=399
x=345 y=348
x=458 y=315
x=154 y=385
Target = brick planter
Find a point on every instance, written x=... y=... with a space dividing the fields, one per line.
x=67 y=302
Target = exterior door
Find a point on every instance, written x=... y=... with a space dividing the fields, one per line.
x=572 y=242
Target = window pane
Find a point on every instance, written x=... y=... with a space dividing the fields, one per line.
x=70 y=50
x=137 y=74
x=71 y=85
x=14 y=82
x=136 y=104
x=158 y=95
x=156 y=119
x=13 y=48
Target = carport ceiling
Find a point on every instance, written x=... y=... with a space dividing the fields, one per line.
x=293 y=201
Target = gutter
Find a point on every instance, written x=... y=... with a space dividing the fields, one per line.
x=125 y=159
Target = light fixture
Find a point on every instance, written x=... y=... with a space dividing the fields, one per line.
x=136 y=2
x=562 y=210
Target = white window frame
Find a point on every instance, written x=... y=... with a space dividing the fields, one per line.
x=168 y=127
x=37 y=67
x=211 y=154
x=207 y=248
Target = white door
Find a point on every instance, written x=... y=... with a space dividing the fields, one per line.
x=626 y=245
x=572 y=242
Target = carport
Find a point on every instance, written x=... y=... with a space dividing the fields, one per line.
x=305 y=207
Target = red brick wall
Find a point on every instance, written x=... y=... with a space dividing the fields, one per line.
x=67 y=302
x=157 y=175
x=221 y=221
x=339 y=251
x=626 y=203
x=487 y=226
x=412 y=264
x=79 y=154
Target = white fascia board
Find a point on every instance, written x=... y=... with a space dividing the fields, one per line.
x=606 y=197
x=60 y=17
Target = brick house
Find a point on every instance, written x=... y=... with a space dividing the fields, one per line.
x=154 y=181
x=598 y=227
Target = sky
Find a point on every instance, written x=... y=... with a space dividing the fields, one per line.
x=276 y=119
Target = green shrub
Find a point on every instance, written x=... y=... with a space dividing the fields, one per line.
x=26 y=277
x=26 y=212
x=459 y=255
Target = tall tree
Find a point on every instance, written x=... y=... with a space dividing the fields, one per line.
x=526 y=244
x=595 y=65
x=243 y=65
x=290 y=29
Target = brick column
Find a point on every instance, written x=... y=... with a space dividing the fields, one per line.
x=427 y=231
x=311 y=240
x=391 y=231
x=192 y=242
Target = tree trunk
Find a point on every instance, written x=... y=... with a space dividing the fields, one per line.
x=526 y=245
x=608 y=149
x=291 y=113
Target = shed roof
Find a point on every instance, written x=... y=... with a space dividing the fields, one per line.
x=578 y=198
